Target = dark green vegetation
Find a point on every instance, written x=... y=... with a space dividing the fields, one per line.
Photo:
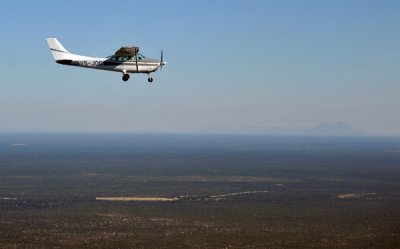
x=48 y=189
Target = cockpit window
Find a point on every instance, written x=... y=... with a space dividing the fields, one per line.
x=126 y=58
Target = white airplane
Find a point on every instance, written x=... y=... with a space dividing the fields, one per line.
x=126 y=60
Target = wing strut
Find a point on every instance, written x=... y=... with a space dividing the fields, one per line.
x=137 y=66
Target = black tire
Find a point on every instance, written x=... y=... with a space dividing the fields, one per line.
x=125 y=77
x=150 y=79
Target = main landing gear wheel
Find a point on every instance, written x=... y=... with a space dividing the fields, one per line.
x=125 y=77
x=150 y=79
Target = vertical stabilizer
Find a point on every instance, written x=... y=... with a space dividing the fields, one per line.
x=58 y=51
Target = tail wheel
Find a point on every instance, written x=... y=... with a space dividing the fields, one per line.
x=150 y=79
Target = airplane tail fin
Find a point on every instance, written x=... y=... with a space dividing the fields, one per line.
x=58 y=51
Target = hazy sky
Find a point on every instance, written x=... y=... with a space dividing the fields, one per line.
x=231 y=64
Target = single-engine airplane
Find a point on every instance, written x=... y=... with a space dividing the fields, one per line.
x=126 y=60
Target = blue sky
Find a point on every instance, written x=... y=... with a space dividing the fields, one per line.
x=232 y=65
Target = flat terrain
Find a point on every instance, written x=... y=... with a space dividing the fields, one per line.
x=192 y=191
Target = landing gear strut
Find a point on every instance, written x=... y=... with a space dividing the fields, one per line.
x=125 y=77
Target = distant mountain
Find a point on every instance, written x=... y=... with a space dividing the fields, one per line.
x=334 y=129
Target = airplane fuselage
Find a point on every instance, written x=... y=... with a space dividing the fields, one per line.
x=145 y=65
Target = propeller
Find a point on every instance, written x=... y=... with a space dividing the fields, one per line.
x=162 y=62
